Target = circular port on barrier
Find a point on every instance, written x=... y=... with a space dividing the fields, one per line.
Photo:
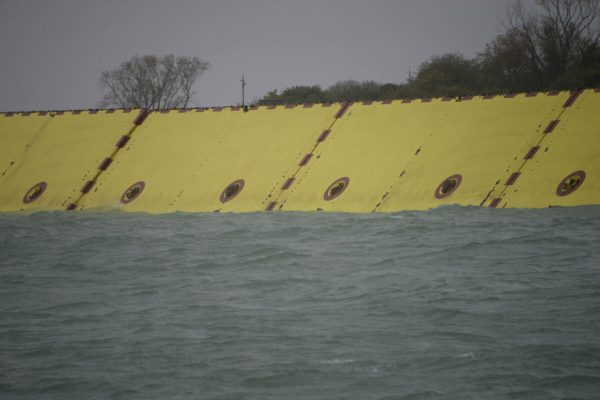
x=132 y=192
x=232 y=190
x=35 y=192
x=448 y=186
x=570 y=184
x=336 y=188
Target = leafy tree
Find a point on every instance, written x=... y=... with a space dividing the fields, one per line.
x=447 y=75
x=294 y=95
x=554 y=45
x=152 y=82
x=549 y=44
x=506 y=65
x=353 y=91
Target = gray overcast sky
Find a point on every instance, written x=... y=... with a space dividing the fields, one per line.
x=53 y=51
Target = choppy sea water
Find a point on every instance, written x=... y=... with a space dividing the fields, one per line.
x=454 y=303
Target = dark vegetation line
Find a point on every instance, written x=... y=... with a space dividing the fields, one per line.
x=553 y=45
x=547 y=45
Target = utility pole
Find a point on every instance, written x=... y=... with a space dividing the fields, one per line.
x=243 y=87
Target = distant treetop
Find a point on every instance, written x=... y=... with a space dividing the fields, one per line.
x=152 y=82
x=547 y=45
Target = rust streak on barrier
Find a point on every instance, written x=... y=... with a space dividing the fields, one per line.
x=571 y=100
x=288 y=183
x=551 y=126
x=512 y=179
x=343 y=109
x=141 y=117
x=532 y=152
x=87 y=187
x=323 y=135
x=122 y=141
x=306 y=159
x=495 y=202
x=105 y=164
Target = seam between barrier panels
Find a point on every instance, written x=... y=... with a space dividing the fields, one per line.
x=515 y=175
x=121 y=143
x=307 y=157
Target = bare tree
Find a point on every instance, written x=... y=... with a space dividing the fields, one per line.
x=152 y=82
x=557 y=34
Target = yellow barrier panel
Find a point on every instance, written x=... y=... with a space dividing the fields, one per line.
x=65 y=154
x=162 y=156
x=565 y=169
x=366 y=150
x=227 y=160
x=17 y=131
x=465 y=161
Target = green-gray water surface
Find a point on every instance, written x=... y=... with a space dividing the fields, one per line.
x=454 y=303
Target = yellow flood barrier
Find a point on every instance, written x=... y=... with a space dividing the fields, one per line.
x=563 y=169
x=367 y=148
x=210 y=160
x=465 y=161
x=526 y=150
x=58 y=165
